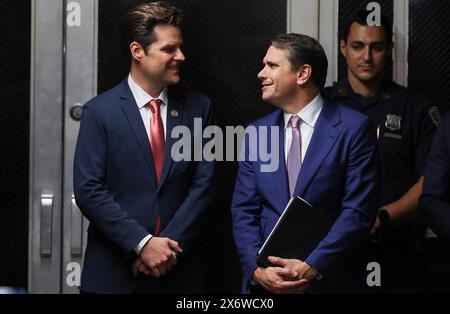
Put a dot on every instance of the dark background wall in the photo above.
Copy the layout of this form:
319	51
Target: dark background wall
15	39
429	50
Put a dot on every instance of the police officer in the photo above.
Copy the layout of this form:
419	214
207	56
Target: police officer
405	125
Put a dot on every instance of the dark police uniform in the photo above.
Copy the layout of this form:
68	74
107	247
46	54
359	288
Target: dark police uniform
405	125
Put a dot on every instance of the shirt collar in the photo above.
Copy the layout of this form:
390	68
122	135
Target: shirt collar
142	97
385	89
308	114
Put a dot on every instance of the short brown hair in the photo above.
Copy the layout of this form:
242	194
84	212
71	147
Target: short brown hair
303	50
140	22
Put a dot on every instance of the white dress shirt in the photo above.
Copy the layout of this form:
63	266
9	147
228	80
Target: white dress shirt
142	98
308	116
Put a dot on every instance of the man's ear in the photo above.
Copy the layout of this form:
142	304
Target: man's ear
304	74
343	47
136	50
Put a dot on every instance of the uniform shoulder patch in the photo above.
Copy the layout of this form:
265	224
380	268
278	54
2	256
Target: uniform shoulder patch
435	115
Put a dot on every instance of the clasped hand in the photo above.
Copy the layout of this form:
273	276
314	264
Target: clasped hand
157	257
287	276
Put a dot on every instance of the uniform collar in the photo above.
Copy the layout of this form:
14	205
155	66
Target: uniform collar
384	92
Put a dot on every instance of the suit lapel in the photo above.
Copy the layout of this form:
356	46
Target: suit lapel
131	111
323	139
280	176
174	118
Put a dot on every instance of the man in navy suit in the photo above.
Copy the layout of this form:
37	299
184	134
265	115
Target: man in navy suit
145	210
327	156
435	202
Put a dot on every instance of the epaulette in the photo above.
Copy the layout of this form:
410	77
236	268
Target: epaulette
435	115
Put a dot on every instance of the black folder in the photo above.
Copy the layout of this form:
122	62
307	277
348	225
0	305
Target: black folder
297	233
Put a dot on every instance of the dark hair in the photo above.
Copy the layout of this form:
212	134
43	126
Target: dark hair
303	50
140	22
360	17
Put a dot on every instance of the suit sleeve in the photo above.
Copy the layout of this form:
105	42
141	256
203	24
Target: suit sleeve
359	205
91	190
185	225
435	200
246	210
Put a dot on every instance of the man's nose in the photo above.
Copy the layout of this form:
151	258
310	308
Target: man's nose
262	75
180	56
367	54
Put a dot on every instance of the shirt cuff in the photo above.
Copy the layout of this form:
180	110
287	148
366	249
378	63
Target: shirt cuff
141	244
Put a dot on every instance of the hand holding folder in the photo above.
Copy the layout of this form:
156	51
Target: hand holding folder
297	233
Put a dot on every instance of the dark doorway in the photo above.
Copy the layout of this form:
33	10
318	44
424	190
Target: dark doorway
429	50
15	36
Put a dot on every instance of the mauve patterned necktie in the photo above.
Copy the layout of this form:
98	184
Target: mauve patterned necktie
157	142
294	160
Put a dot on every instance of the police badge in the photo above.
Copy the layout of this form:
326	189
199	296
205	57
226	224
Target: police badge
393	122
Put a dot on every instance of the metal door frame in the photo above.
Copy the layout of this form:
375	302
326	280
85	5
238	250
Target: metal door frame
320	22
46	97
63	75
80	86
401	41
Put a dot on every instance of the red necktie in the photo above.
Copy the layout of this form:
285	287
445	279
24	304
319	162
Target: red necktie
157	144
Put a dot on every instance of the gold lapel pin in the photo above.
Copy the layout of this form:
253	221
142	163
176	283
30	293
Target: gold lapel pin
174	113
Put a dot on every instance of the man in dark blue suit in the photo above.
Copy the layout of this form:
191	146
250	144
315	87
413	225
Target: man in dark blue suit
435	202
327	156
145	210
